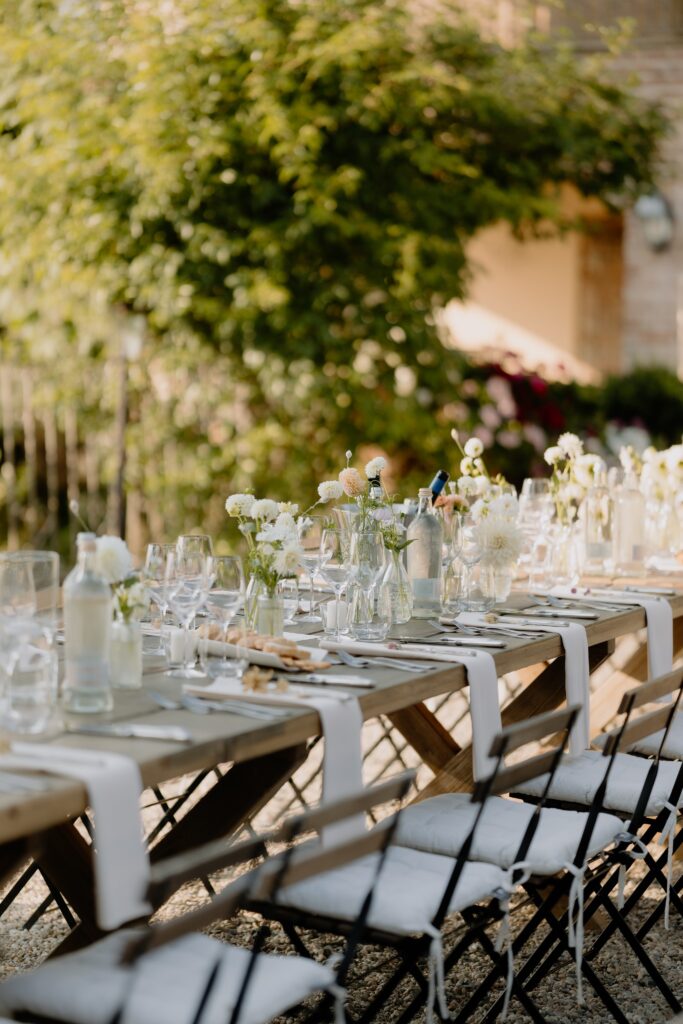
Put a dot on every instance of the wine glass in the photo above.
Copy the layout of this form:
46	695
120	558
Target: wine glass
188	581
333	567
471	553
367	556
223	600
310	531
17	589
194	544
44	569
154	576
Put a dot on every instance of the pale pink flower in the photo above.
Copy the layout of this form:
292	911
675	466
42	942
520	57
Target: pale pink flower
353	483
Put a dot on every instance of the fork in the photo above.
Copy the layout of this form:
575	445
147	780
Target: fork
353	661
201	707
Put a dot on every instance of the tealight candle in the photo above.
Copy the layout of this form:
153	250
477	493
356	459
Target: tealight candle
336	614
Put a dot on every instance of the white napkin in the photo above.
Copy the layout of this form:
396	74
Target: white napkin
577	674
341	722
114	786
664	564
482	678
660	623
408	652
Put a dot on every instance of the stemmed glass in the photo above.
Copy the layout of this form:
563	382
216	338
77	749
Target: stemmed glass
43	567
188	581
223	600
310	530
154	577
367	556
333	568
194	544
471	553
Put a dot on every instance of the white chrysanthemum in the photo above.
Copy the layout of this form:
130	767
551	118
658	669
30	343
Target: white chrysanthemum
474	448
467	485
113	560
467	466
570	445
674	459
553	454
288	506
287	560
375	467
287	520
330	490
500	540
272	533
239	505
264	509
481	485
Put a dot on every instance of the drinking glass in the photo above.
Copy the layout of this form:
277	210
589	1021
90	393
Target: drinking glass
154	577
333	566
477	589
17	589
188	580
43	567
31	680
310	531
194	544
367	556
223	600
289	592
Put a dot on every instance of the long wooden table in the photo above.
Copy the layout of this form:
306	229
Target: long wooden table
264	754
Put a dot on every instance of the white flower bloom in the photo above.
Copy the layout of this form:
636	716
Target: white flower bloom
500	540
467	466
587	468
112	558
467	485
272	533
375	467
287	560
570	445
287	522
455	435
481	485
479	466
330	490
674	459
474	448
238	505
553	454
479	510
288	506
266	549
506	506
264	508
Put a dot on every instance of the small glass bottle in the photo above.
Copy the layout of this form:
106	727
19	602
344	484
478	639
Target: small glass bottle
598	516
87	631
425	534
629	529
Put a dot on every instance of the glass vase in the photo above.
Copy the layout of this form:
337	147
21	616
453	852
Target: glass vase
253	592
479	592
125	655
502	582
270	614
399	589
565	555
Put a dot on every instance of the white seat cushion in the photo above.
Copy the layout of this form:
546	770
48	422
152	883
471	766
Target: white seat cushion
441	825
674	741
165	986
577	780
407	896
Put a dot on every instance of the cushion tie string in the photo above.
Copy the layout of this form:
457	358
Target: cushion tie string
437	981
639	854
338	992
575	931
667	836
504	936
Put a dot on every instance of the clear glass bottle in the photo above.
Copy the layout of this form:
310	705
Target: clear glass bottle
424	557
629	529
597	524
87	632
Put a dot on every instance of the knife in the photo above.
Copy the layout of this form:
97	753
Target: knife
651	590
134	730
316	680
465	641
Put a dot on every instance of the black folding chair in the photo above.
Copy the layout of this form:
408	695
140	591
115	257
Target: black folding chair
133	974
458	884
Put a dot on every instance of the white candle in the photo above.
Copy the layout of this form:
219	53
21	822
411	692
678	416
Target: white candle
336	614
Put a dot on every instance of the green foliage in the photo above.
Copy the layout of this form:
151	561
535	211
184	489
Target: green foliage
285	190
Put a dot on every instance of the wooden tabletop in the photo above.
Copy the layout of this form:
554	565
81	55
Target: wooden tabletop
223	737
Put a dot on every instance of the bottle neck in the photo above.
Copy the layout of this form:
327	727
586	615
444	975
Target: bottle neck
86	560
424	506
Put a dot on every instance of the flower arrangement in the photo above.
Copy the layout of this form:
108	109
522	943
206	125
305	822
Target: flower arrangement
131	599
573	473
475	479
356	485
496	530
269	528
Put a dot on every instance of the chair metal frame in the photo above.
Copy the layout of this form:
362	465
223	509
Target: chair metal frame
411	950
